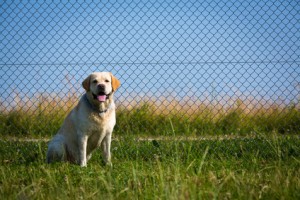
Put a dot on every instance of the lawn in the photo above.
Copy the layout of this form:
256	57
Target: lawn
176	152
264	167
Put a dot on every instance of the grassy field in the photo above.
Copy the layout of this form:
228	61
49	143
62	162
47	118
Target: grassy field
266	167
180	151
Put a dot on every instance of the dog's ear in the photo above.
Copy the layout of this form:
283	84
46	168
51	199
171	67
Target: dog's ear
115	83
86	83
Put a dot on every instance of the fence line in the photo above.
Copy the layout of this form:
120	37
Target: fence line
212	67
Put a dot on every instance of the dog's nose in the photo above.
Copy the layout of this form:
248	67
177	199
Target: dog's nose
101	86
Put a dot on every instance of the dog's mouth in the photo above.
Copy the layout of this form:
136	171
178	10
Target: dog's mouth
101	97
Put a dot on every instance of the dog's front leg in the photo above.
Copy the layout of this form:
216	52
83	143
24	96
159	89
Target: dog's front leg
82	150
105	146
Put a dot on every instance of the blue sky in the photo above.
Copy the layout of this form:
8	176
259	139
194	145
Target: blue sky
203	49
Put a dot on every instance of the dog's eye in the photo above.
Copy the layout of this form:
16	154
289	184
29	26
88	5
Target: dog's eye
107	81
95	81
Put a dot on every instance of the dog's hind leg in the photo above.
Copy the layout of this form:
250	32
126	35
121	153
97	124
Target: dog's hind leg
56	150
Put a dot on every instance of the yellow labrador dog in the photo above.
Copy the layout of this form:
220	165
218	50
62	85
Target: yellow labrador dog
89	125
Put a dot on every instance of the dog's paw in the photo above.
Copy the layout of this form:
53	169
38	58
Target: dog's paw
82	164
107	164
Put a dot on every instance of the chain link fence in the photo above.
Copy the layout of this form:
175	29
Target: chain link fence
186	67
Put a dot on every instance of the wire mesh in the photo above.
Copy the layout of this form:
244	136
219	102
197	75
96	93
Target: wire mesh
195	67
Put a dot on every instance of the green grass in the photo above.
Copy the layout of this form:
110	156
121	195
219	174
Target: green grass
259	158
267	167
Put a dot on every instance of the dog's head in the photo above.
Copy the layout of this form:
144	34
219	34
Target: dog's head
100	86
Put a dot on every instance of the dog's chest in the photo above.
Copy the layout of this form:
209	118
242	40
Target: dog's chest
95	140
98	127
96	132
97	121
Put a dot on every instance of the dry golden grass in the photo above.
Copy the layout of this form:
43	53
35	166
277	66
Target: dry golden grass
44	113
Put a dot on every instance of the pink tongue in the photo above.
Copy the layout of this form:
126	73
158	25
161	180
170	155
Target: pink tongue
101	98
